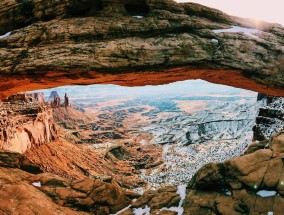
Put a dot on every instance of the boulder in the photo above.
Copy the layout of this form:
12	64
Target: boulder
249	184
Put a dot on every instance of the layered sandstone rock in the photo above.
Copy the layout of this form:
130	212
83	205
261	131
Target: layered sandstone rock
164	201
270	119
24	122
111	35
23	192
87	194
250	184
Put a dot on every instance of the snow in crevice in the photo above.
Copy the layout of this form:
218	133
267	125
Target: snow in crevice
266	193
138	17
228	192
238	29
5	35
36	184
215	41
142	211
122	210
182	192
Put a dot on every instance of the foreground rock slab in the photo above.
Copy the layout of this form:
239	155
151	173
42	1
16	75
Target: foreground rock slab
250	184
45	193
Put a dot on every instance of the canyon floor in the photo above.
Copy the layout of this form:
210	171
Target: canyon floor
145	143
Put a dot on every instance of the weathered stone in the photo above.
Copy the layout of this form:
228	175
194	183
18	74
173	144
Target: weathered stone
51	180
273	173
25	122
127	212
144	199
263	205
277	145
165	199
168	212
260	169
270	119
85	185
18	195
104	36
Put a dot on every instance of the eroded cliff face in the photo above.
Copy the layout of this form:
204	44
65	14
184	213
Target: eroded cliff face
110	36
250	184
46	193
25	121
270	119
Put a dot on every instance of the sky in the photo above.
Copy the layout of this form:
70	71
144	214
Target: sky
190	87
270	11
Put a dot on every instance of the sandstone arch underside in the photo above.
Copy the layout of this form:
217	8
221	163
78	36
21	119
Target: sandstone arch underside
61	42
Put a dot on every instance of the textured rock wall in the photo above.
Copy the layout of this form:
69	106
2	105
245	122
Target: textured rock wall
26	192
102	36
25	122
250	184
270	119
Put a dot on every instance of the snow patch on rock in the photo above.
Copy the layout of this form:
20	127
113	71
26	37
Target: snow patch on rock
182	192
36	184
142	211
5	35
122	210
215	41
238	29
138	17
266	193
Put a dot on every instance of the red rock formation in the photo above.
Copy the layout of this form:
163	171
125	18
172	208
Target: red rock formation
25	122
102	36
26	193
66	101
12	84
232	186
39	97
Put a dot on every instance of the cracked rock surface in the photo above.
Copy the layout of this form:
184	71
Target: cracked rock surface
110	36
239	185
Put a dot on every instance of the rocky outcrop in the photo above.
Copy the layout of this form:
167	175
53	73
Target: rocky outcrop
250	184
124	35
85	195
164	201
45	193
270	119
24	122
39	97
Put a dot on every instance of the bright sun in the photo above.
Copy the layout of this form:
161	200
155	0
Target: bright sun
270	11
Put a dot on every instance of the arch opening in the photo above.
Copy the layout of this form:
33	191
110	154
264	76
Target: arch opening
137	8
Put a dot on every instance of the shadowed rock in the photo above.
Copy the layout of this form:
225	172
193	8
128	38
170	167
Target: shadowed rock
113	35
25	121
240	185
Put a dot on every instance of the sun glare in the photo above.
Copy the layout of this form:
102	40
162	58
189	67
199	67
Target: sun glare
270	11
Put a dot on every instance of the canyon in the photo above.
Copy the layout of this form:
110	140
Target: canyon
192	153
147	147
